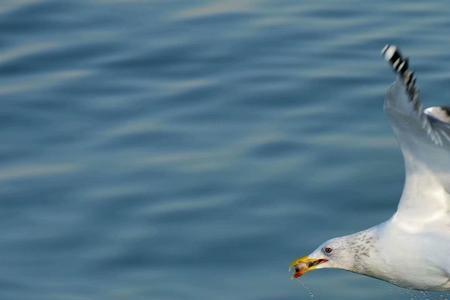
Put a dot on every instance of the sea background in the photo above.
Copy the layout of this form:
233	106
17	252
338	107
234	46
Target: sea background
193	149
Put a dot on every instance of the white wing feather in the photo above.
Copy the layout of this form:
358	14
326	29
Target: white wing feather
425	143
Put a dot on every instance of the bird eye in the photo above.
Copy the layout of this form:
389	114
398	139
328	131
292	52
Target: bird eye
328	250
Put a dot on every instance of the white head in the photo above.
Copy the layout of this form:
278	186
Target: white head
348	252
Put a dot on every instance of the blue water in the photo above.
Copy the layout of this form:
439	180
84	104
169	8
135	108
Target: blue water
193	149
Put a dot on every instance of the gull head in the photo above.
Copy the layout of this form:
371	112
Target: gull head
335	253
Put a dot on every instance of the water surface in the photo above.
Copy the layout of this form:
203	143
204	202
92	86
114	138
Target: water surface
193	149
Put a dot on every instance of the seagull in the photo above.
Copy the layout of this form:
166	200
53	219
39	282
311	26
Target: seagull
412	248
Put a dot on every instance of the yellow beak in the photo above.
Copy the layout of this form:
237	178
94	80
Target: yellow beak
305	264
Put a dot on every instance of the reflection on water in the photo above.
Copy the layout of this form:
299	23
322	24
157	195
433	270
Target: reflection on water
191	150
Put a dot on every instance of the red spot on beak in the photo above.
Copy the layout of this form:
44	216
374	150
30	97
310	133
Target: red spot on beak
298	274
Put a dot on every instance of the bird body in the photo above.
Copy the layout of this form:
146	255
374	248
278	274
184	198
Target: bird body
412	248
412	259
416	259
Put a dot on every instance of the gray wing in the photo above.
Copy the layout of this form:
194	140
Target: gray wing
424	138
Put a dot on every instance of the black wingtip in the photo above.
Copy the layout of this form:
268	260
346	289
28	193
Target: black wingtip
400	66
393	55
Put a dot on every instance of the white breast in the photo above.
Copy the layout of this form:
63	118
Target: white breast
413	259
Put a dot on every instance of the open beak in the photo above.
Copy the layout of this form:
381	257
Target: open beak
305	264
